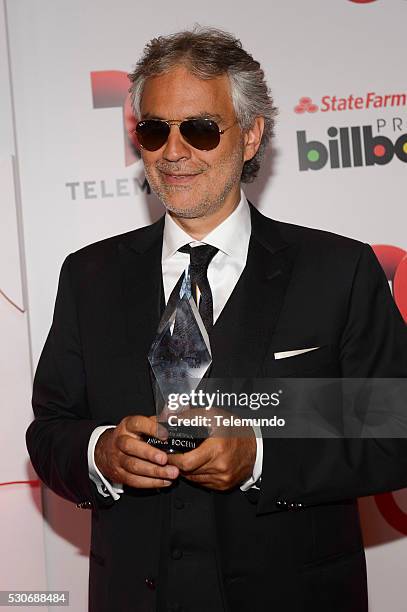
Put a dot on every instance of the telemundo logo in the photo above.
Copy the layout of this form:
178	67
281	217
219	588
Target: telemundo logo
349	147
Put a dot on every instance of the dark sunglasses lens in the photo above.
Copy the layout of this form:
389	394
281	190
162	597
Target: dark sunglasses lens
201	133
152	134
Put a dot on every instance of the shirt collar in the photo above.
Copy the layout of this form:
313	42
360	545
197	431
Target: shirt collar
230	236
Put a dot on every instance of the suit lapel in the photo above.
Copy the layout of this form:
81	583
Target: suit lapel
140	262
242	333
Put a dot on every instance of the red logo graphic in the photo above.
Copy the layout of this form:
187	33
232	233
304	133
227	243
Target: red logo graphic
305	105
362	1
391	512
394	263
110	90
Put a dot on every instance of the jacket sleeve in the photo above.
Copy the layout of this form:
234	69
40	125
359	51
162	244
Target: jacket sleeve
57	439
313	471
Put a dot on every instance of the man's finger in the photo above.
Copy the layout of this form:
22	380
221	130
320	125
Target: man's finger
139	467
138	448
142	482
195	459
139	424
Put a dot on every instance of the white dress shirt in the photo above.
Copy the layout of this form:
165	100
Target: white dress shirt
232	238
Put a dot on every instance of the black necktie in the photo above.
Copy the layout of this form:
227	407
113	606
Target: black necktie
200	258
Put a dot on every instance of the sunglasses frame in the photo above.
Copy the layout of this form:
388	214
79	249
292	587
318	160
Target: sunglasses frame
179	122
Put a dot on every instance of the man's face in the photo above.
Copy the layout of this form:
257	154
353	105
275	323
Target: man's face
193	183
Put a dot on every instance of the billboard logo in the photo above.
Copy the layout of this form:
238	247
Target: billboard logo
305	105
349	147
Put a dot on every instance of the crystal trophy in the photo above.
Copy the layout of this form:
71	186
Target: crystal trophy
179	358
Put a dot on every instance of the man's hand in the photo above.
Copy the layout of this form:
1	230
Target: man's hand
122	455
220	462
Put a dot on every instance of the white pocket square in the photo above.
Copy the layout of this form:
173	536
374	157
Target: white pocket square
284	354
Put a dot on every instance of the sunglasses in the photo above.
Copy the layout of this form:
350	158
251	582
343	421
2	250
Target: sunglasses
202	134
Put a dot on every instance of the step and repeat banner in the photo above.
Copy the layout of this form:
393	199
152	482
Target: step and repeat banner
70	176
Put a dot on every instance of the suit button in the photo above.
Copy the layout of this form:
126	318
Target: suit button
281	503
176	554
150	582
178	503
252	495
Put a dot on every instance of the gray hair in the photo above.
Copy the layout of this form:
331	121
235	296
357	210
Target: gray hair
207	53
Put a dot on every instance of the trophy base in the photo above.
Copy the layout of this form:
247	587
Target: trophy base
178	441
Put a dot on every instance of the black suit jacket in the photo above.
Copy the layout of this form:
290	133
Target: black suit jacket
298	544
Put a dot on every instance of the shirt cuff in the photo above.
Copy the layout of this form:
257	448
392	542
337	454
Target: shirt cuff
258	464
104	486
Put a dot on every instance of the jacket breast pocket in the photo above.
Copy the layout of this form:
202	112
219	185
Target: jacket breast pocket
319	361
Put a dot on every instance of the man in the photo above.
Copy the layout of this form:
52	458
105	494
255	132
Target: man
247	523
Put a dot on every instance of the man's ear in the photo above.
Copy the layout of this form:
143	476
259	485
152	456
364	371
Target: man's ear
252	138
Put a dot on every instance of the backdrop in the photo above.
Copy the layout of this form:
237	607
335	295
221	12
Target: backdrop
70	177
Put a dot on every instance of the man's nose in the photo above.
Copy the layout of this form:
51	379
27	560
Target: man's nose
176	148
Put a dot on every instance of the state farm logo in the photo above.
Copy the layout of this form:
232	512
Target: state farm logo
305	105
370	100
362	1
